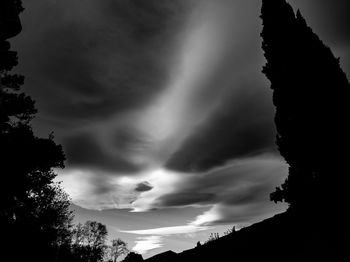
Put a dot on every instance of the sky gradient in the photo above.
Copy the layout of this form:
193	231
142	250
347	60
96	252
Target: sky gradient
162	110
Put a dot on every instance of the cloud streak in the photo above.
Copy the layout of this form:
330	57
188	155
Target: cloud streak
239	182
166	231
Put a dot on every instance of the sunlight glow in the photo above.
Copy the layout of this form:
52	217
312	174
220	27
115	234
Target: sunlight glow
207	218
144	244
175	113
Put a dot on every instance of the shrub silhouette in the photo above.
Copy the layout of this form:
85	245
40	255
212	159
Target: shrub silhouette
133	257
310	93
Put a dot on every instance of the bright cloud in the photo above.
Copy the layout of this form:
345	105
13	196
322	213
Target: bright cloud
240	184
144	244
97	190
207	217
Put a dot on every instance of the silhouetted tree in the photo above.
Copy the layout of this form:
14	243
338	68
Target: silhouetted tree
119	248
34	209
10	24
230	231
89	241
133	257
311	96
212	237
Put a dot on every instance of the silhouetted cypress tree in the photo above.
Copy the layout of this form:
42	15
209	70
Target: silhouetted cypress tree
311	95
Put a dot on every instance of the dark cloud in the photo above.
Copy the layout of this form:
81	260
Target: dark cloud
89	61
238	192
243	126
146	20
84	151
67	62
112	57
254	194
241	182
186	198
91	64
143	187
129	140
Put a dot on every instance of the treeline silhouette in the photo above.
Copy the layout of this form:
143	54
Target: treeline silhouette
35	218
88	243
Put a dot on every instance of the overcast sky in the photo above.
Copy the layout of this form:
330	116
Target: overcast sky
163	112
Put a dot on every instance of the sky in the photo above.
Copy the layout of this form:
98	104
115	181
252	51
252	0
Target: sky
162	110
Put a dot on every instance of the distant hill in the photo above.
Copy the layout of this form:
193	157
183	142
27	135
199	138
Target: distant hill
163	257
280	238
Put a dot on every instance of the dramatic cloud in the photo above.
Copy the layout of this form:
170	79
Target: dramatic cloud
98	192
83	150
125	83
242	126
99	58
162	106
90	63
102	190
144	244
143	187
129	85
237	193
243	184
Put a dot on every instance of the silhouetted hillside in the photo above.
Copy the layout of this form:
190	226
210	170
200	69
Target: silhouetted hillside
163	257
280	238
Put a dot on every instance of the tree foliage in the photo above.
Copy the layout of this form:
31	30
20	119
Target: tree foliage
230	231
34	210
89	241
118	248
212	238
310	93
